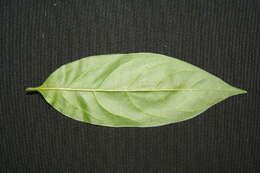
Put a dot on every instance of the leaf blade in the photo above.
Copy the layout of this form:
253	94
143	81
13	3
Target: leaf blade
138	89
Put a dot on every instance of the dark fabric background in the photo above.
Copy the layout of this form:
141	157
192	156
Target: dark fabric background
38	36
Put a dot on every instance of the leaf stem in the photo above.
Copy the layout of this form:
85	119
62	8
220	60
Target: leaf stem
32	89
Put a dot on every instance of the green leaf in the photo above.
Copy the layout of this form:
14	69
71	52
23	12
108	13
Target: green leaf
137	89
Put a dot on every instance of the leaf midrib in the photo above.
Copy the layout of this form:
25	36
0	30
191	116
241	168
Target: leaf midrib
127	90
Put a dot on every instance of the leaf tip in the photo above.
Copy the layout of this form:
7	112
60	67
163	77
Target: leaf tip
243	92
240	91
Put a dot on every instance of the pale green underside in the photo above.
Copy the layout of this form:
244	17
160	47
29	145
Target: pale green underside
137	89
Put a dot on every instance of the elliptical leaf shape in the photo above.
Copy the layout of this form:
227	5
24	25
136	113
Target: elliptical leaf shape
133	90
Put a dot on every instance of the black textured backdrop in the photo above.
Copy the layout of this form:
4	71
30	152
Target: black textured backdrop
38	36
